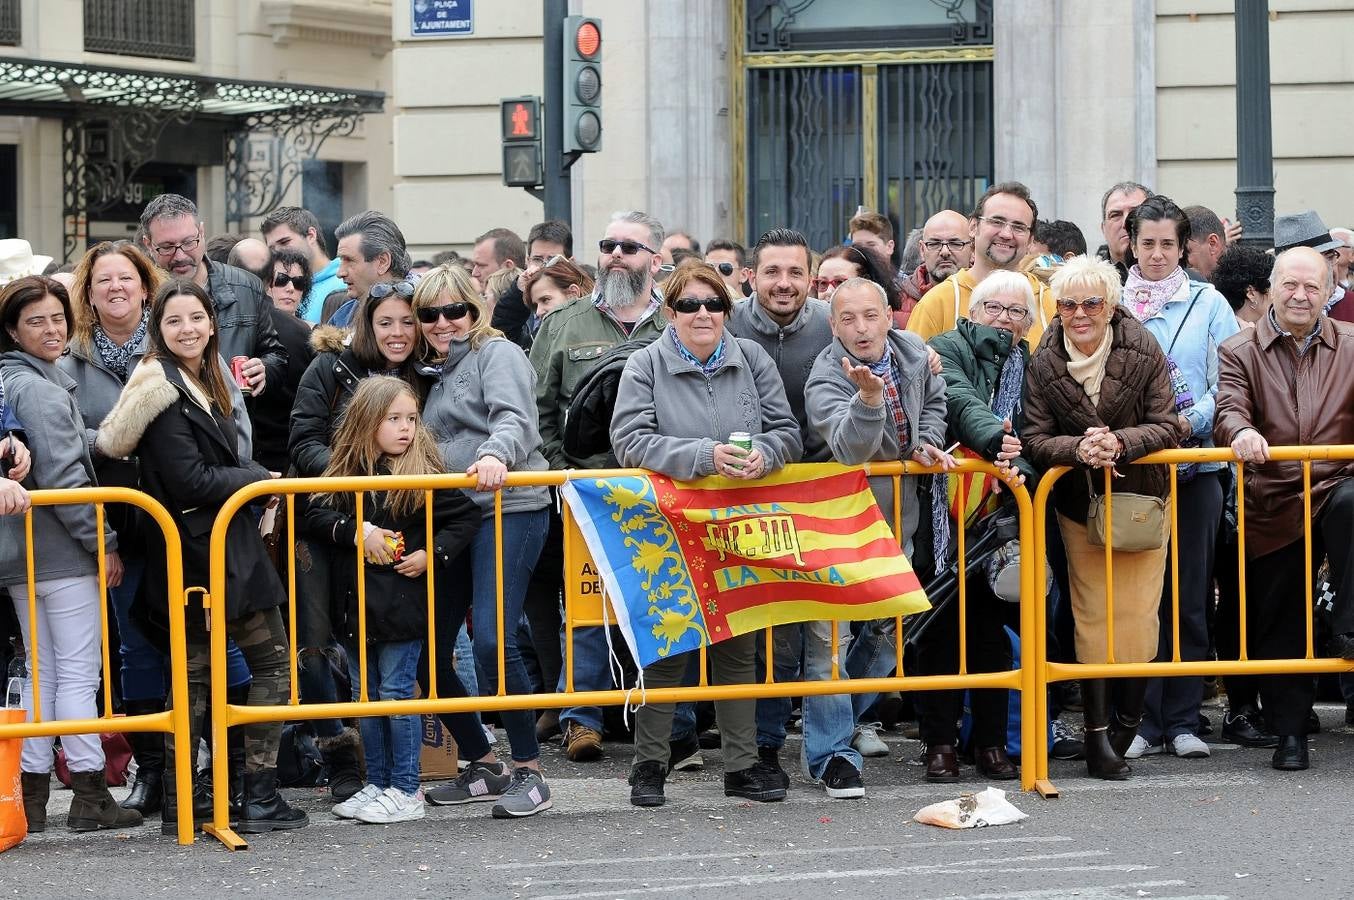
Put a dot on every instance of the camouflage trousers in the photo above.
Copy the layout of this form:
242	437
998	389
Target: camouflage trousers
262	639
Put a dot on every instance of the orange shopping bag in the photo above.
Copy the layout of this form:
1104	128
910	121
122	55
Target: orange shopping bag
13	825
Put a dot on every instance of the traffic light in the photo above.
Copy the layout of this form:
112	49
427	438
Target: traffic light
582	84
521	126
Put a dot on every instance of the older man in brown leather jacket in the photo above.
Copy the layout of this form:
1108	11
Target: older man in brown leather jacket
1289	381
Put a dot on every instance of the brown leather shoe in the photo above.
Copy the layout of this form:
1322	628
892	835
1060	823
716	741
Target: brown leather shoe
581	743
993	763
942	765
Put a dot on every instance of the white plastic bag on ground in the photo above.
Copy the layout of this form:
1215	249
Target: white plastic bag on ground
987	807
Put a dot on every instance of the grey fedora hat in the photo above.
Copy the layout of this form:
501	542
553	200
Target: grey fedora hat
1303	229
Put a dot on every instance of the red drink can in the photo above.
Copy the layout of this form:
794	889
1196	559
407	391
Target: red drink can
237	371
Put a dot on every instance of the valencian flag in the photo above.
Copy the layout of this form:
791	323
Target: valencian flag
689	563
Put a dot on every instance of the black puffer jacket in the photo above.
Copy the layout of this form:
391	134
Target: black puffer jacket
587	427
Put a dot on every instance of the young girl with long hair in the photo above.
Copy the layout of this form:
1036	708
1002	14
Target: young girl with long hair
380	434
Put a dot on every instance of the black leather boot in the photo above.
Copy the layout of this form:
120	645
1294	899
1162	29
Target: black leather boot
93	807
343	757
1101	759
149	749
37	787
264	809
169	811
237	696
1129	697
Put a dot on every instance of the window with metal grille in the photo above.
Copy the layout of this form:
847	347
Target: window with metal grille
10	33
159	29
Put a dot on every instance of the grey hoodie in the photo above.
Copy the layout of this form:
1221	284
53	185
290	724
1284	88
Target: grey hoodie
484	402
43	397
793	348
856	433
669	415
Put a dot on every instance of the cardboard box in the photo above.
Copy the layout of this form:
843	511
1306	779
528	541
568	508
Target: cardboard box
438	759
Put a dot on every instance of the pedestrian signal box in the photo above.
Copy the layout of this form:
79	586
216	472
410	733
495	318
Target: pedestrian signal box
520	121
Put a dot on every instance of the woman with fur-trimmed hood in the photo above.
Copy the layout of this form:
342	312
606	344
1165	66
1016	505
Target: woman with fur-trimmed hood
174	415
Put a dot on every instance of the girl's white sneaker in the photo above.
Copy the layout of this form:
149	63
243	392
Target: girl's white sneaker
349	808
392	805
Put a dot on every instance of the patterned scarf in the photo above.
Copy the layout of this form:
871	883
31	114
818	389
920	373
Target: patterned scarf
1005	402
893	396
117	358
1147	298
710	365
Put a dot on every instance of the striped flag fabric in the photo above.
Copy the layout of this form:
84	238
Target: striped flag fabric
687	564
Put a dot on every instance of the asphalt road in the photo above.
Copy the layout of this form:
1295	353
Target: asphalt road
1223	827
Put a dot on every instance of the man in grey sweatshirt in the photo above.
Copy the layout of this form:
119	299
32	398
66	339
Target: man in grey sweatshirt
793	330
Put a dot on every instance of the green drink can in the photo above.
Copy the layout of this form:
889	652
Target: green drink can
741	439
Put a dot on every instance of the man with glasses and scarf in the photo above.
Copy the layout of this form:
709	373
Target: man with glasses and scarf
171	235
1001	227
624	306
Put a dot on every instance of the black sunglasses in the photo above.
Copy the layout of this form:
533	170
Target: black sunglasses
629	248
300	282
451	312
382	289
693	304
725	269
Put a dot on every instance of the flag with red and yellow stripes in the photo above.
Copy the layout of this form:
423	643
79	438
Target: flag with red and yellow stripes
692	563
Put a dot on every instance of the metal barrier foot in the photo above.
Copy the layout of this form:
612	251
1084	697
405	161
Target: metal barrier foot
1047	789
226	836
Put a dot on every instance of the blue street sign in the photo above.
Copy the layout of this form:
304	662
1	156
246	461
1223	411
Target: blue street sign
440	18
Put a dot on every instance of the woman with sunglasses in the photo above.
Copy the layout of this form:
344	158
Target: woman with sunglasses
482	409
679	400
382	343
846	261
289	281
1097	397
286	288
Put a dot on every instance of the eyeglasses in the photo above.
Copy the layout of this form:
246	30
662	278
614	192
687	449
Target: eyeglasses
1091	305
1000	224
828	284
1014	313
1332	255
629	248
300	282
954	245
188	245
690	305
725	268
429	315
382	289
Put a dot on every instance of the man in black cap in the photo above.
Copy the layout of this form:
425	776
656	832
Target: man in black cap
1305	229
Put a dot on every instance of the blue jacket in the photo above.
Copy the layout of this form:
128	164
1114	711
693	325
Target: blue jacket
1201	329
325	282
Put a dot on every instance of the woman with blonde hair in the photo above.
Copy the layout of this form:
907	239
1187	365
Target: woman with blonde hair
1097	397
482	409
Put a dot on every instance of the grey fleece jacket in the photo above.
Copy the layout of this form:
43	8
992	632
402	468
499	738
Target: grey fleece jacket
43	397
856	433
669	415
484	402
793	348
97	390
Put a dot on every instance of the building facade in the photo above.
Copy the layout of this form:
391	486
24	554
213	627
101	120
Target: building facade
242	106
723	117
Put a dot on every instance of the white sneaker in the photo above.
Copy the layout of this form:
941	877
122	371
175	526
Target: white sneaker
1187	746
349	808
392	805
1140	747
867	742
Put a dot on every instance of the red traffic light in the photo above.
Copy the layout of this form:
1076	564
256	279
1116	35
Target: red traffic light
588	40
520	118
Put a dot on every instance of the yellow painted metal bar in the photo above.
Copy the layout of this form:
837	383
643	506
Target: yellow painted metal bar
835	635
1175	564
899	641
432	593
33	670
1241	557
770	655
361	598
104	640
570	566
961	535
1109	566
292	661
1038	680
1307	549
498	593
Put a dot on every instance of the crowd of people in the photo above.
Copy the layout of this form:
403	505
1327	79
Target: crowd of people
189	368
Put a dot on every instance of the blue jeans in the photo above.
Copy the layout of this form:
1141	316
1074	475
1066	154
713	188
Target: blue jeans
392	744
523	536
465	662
873	654
144	667
773	712
829	720
592	672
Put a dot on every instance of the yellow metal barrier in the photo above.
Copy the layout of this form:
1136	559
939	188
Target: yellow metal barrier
172	722
582	609
1043	673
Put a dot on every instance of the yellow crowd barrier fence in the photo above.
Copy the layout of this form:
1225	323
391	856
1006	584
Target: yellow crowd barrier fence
172	722
1047	672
